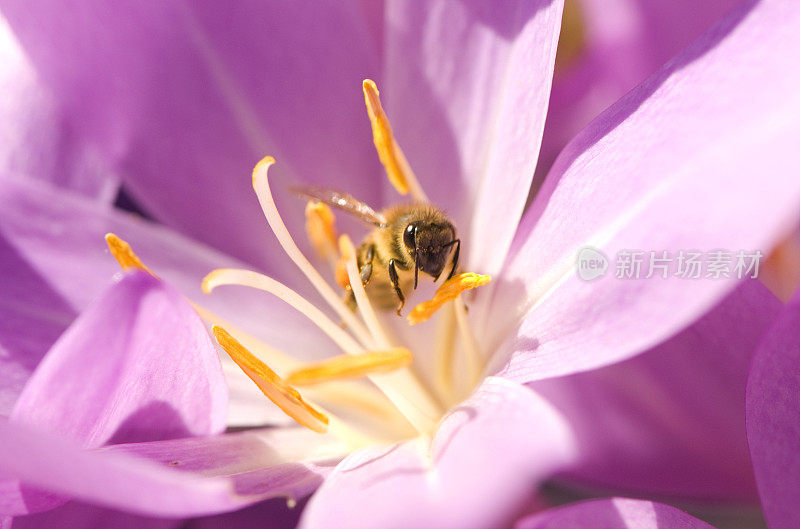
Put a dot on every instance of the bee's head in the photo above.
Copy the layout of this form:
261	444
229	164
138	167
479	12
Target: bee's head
430	244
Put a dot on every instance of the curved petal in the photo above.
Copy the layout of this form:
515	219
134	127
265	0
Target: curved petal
773	419
669	168
35	138
615	513
671	422
288	462
606	48
467	86
184	97
55	262
485	462
177	478
137	365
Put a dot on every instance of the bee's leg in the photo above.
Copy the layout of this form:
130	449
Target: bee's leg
396	284
366	268
457	242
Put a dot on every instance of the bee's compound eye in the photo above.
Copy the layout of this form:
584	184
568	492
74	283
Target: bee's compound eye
409	238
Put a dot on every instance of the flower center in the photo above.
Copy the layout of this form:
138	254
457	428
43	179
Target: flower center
369	351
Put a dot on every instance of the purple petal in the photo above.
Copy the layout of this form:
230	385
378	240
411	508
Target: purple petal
671	421
466	90
75	515
616	513
668	168
32	316
773	419
35	138
487	458
54	262
137	365
623	42
259	463
184	98
203	476
272	514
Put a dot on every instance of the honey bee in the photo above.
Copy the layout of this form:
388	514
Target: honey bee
407	239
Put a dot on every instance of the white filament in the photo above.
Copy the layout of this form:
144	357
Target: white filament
261	186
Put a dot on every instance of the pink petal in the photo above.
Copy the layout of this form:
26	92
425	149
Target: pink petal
288	461
466	90
671	421
272	514
35	138
615	513
670	167
137	365
185	98
75	515
32	316
487	458
202	476
624	41
54	262
773	419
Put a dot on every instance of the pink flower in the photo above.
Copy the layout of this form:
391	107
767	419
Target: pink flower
180	107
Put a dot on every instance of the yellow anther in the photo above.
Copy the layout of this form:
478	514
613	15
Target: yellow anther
383	138
449	291
351	366
124	254
346	248
340	273
321	229
283	395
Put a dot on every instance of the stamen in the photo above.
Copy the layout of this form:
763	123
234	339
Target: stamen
321	230
450	290
124	254
261	186
284	396
471	350
229	276
347	366
340	273
356	395
394	161
402	388
127	259
443	355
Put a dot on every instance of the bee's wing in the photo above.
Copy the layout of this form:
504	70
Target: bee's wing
340	200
